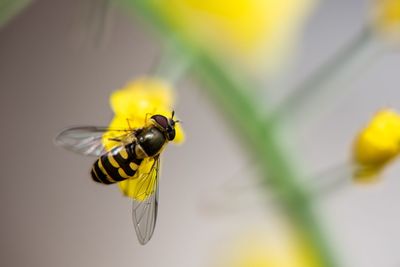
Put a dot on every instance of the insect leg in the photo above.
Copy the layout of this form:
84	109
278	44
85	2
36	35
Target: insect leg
128	120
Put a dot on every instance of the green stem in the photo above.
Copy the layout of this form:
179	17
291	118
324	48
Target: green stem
263	141
237	102
10	8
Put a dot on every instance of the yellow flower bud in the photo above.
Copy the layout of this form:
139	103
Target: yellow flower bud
265	248
386	15
376	145
133	105
253	32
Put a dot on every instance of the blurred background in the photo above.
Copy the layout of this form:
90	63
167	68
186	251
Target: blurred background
54	75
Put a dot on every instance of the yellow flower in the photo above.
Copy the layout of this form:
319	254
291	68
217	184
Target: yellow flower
386	15
132	106
263	248
257	32
376	145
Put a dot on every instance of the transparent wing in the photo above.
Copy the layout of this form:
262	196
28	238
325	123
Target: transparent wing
145	202
88	140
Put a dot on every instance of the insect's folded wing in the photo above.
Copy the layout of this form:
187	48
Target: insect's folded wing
143	190
130	187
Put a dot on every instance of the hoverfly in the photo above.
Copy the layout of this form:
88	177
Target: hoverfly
124	161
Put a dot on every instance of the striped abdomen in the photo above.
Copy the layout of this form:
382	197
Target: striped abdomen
115	166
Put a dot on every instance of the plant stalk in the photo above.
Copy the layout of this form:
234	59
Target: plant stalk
236	101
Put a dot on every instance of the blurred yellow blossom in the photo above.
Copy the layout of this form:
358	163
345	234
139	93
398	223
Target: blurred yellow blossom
132	106
386	15
376	145
256	32
267	248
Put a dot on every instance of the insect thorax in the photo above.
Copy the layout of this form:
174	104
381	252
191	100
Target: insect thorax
151	140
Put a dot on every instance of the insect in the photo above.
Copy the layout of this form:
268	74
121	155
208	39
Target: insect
134	149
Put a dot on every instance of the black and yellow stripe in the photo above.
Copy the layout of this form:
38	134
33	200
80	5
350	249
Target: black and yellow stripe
117	165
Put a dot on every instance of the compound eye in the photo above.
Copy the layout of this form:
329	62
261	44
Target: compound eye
171	135
160	120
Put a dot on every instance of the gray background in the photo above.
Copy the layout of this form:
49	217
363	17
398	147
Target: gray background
52	214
